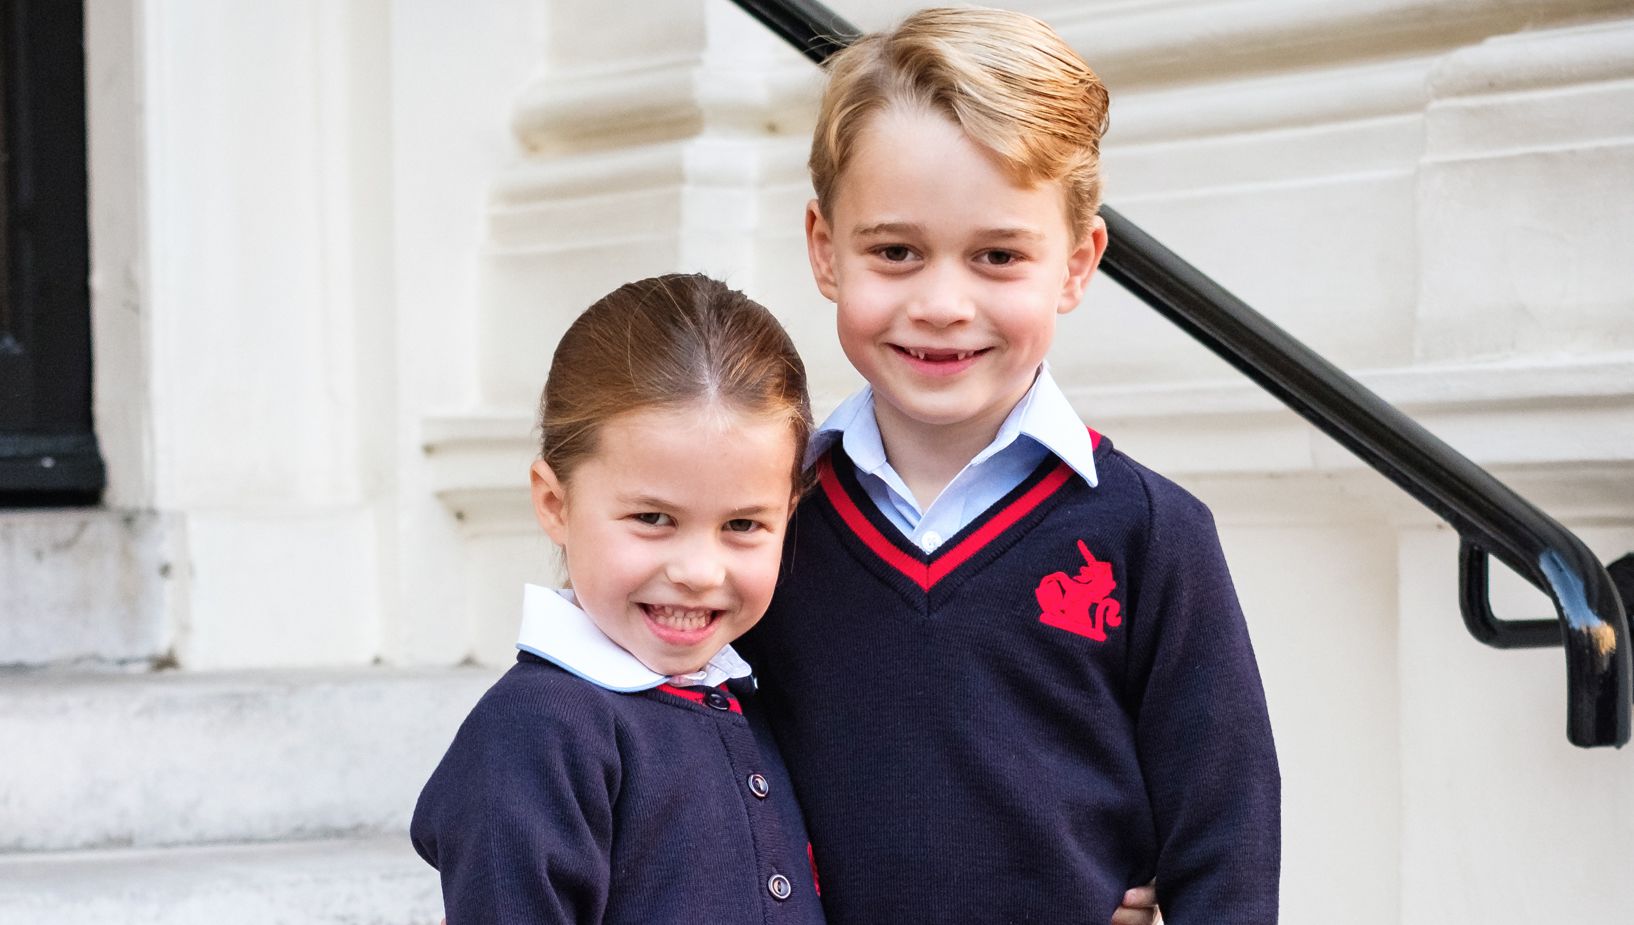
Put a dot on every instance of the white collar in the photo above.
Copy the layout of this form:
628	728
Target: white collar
558	631
1043	414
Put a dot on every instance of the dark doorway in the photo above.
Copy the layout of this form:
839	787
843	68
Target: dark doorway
48	453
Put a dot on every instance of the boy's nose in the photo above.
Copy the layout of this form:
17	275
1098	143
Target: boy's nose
942	300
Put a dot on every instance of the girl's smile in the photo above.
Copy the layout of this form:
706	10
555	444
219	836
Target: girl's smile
680	626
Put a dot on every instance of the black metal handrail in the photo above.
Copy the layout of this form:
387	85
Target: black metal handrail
1491	519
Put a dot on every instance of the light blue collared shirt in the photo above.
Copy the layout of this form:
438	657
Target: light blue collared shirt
1043	416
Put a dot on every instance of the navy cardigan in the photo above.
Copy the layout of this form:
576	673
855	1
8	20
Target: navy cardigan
562	802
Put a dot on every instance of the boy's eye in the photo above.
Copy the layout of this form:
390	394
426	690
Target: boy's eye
653	519
999	258
742	525
894	253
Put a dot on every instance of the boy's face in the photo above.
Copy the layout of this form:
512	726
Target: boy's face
948	275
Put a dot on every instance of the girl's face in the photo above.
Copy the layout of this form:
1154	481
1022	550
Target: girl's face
673	530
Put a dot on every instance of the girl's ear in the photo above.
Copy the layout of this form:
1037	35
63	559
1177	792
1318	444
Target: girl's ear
1081	264
820	248
549	502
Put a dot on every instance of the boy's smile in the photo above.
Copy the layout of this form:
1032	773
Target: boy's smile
933	362
948	274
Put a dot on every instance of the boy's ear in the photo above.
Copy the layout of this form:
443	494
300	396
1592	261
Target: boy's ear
820	248
1081	264
549	502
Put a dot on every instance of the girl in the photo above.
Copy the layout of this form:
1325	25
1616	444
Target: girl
612	774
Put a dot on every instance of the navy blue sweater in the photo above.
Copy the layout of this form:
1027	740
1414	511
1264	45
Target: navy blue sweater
563	802
1057	704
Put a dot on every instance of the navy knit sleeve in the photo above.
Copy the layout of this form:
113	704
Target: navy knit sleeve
1202	730
518	817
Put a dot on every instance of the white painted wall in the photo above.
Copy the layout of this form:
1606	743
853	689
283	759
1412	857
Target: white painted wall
333	245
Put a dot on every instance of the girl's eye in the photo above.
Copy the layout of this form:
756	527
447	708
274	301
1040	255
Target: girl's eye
742	525
653	519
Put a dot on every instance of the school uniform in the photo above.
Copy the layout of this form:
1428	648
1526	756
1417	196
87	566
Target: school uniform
585	787
1015	715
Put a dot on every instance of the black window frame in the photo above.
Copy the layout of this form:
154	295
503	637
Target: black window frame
48	448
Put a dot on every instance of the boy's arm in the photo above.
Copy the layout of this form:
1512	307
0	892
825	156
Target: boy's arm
518	821
1202	730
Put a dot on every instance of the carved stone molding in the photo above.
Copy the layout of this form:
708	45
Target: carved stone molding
1161	41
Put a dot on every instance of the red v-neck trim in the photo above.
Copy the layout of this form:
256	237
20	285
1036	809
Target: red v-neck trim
927	574
865	530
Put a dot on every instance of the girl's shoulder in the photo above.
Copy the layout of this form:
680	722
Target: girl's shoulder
539	738
535	701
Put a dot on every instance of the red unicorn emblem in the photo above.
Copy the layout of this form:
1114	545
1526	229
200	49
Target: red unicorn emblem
1080	604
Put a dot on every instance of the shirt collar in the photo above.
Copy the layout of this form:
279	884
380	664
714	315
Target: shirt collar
558	631
1047	416
1044	414
853	425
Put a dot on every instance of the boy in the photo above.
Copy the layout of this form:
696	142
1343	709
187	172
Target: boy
1005	664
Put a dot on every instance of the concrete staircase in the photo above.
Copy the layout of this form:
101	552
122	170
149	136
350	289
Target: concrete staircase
368	881
248	797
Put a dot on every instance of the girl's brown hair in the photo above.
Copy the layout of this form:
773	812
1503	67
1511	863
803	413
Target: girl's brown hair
668	342
1006	79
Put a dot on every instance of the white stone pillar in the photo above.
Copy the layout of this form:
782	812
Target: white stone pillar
231	283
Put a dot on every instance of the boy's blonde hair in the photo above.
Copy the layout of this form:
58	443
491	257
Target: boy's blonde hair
1006	79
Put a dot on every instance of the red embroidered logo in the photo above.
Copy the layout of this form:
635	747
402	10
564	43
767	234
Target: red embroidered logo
1079	604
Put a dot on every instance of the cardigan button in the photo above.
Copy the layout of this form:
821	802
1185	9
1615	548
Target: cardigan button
759	786
780	887
718	700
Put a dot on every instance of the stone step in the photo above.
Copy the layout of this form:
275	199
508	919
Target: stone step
174	758
368	881
83	585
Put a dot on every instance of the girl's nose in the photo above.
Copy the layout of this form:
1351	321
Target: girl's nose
697	566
